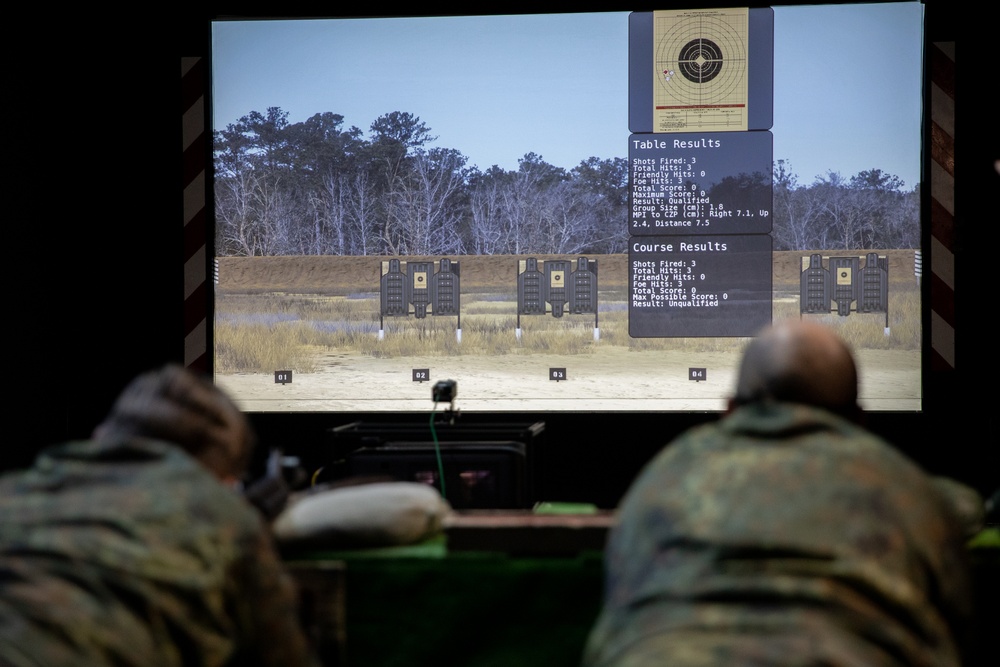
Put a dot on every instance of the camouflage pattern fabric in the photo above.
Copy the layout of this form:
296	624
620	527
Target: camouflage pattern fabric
783	535
133	554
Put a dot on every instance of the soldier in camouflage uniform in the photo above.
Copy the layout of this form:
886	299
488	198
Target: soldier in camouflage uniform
134	549
784	534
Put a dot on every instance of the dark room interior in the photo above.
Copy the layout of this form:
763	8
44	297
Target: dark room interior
98	280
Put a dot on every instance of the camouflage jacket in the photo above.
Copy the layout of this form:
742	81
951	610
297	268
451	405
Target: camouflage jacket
133	554
782	535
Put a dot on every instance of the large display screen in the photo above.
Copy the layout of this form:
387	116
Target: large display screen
579	212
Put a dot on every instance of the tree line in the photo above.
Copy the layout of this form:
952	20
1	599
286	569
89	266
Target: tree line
320	188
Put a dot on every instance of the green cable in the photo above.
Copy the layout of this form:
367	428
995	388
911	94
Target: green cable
437	451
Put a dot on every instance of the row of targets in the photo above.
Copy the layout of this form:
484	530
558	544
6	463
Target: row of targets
843	285
557	287
419	288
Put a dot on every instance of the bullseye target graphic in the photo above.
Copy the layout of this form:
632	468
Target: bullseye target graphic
700	62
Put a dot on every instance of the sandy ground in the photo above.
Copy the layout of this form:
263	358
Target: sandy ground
614	379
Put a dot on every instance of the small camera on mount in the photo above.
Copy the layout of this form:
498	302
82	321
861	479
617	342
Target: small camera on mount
444	391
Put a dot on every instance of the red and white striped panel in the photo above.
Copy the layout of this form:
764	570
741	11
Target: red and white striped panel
193	85
942	214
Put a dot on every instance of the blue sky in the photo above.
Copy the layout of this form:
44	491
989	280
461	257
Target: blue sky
846	94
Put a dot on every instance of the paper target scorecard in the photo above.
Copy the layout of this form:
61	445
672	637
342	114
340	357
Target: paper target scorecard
700	70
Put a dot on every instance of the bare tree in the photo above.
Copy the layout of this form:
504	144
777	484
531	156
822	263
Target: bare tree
251	215
523	204
488	233
796	215
361	210
428	214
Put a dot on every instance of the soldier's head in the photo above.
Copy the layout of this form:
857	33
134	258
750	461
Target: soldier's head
800	362
176	405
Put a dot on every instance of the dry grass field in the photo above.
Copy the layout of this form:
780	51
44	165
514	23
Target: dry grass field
342	275
319	317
